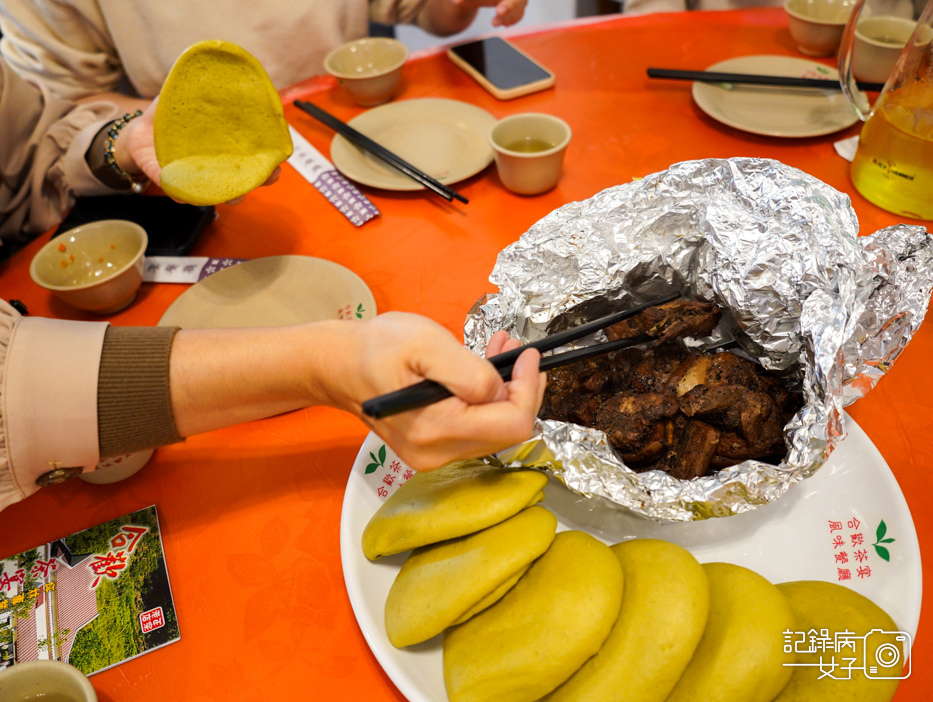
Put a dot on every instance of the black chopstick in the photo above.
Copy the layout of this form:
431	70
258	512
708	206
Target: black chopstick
752	79
376	149
428	391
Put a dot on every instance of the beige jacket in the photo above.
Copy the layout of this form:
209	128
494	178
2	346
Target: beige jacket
82	47
42	168
72	392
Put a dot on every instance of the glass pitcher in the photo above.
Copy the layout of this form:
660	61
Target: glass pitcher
893	165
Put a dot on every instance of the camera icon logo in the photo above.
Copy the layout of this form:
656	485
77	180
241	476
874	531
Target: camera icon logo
886	654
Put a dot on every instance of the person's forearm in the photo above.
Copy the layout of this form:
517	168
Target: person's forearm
221	377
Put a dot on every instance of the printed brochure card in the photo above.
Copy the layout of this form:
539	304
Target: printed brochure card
93	599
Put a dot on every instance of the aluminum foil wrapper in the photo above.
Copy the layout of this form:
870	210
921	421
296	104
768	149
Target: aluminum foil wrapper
777	250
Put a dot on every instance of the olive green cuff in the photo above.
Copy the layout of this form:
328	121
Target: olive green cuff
134	401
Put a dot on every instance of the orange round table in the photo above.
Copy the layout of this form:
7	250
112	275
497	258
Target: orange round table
250	515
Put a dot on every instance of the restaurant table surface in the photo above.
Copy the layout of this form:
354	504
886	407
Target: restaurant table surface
250	515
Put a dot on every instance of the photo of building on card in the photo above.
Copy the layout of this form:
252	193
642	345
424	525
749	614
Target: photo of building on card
93	599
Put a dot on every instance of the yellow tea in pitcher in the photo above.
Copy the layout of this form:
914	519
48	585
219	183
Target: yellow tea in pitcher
893	166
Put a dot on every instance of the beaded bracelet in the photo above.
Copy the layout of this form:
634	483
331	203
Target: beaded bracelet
138	185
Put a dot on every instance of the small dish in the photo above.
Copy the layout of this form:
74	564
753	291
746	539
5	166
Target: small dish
447	139
273	291
771	110
369	68
96	267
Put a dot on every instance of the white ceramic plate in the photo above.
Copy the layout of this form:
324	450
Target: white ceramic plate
771	110
272	291
447	139
791	539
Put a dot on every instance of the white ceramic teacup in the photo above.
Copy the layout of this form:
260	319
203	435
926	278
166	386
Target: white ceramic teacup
876	46
45	680
816	26
369	68
529	151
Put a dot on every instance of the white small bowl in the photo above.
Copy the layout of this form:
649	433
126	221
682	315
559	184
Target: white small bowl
816	26
368	68
96	267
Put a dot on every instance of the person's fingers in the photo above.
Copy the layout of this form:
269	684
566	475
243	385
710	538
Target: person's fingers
486	428
500	342
494	346
274	177
467	376
509	12
527	384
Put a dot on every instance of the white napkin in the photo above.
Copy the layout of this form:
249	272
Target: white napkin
321	173
846	147
183	269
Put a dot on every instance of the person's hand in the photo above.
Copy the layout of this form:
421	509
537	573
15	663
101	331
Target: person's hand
135	150
395	350
508	12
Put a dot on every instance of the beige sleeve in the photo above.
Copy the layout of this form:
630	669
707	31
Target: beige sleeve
8	490
42	165
74	392
48	399
65	44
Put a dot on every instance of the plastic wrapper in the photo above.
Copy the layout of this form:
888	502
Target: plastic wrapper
777	250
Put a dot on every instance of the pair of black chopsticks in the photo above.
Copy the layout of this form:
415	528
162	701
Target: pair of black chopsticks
427	391
379	151
753	79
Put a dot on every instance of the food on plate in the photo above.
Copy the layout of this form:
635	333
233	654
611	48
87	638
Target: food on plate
665	603
820	605
454	500
449	582
741	655
668	409
542	630
219	127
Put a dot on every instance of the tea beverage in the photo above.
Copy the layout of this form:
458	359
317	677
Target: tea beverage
529	149
529	145
893	166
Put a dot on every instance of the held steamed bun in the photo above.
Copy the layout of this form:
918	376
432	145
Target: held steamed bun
454	500
449	582
219	126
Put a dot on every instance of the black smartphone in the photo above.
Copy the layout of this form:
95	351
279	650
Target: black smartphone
173	228
500	67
